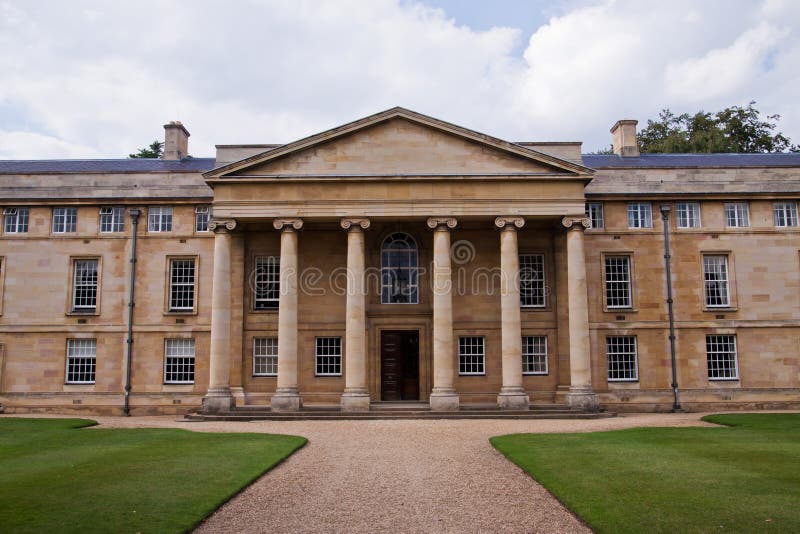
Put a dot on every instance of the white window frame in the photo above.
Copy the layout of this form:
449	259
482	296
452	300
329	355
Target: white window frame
716	276
175	286
159	219
80	284
714	341
202	214
182	349
16	220
265	356
328	356
476	366
616	282
594	210
65	220
737	214
81	352
619	366
687	215
533	290
266	280
387	271
640	215
112	219
785	214
534	354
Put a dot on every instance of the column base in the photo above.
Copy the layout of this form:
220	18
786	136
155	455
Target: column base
218	400
583	399
286	401
513	399
355	401
444	401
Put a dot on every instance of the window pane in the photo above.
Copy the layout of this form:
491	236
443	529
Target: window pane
471	355
267	282
84	285
182	275
201	218
618	282
179	361
785	214
81	361
159	219
328	356
716	280
399	270
594	210
265	356
64	220
622	354
16	220
721	357
640	215
737	214
688	215
534	355
532	286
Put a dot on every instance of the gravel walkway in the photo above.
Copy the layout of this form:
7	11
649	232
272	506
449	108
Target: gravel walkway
398	476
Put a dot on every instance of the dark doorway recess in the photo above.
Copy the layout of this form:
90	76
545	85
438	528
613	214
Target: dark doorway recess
399	365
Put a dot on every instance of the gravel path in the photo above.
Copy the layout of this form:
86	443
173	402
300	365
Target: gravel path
406	476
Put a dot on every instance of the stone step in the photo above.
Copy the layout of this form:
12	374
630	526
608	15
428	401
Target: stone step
336	415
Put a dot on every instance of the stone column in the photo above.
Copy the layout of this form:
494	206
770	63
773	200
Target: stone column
219	397
581	395
355	397
512	395
287	397
443	395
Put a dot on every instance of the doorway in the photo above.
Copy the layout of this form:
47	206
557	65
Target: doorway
399	365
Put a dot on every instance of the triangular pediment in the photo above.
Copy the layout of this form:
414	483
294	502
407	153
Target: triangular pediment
394	143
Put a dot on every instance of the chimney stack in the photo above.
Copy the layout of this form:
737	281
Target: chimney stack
624	133
176	141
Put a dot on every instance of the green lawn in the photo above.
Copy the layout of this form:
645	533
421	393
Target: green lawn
744	477
55	477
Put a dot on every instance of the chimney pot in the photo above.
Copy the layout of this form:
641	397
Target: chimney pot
624	138
176	141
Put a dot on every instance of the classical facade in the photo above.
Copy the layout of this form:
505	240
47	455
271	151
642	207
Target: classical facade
400	258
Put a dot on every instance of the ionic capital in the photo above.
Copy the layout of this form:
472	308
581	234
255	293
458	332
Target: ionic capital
509	223
287	225
442	223
576	223
222	225
355	223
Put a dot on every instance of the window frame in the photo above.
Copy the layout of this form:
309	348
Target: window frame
3	268
746	215
72	309
69	358
193	357
605	256
635	378
168	309
789	211
647	219
268	357
162	217
728	280
317	356
590	212
462	364
16	209
114	211
413	271
544	300
255	284
692	214
68	210
733	378
544	355
198	211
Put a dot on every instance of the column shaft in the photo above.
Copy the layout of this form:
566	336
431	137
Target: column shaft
355	396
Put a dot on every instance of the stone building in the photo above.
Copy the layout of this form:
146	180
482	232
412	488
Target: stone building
399	258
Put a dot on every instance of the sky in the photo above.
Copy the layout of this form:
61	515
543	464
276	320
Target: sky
99	79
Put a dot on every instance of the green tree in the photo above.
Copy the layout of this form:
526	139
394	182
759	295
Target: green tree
734	129
154	151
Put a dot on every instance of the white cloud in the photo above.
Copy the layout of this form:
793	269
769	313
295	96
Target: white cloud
97	78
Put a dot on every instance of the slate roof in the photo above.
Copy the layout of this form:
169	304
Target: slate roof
90	166
656	161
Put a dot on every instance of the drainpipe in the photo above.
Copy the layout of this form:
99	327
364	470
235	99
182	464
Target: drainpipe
676	404
134	213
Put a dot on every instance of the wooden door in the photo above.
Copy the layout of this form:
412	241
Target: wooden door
399	365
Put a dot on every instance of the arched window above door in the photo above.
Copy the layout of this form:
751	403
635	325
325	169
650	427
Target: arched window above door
399	270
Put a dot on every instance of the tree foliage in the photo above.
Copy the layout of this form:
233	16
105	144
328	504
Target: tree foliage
154	151
734	129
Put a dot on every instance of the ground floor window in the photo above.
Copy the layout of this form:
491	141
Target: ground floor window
265	356
179	361
622	354
329	356
471	355
81	360
534	355
721	356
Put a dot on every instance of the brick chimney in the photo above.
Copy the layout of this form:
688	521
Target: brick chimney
176	141
624	133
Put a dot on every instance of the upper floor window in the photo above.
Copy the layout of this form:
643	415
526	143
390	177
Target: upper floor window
181	284
618	282
531	280
688	214
594	210
112	219
84	285
715	273
81	361
399	270
159	219
267	282
64	220
640	215
785	214
16	220
201	214
737	215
